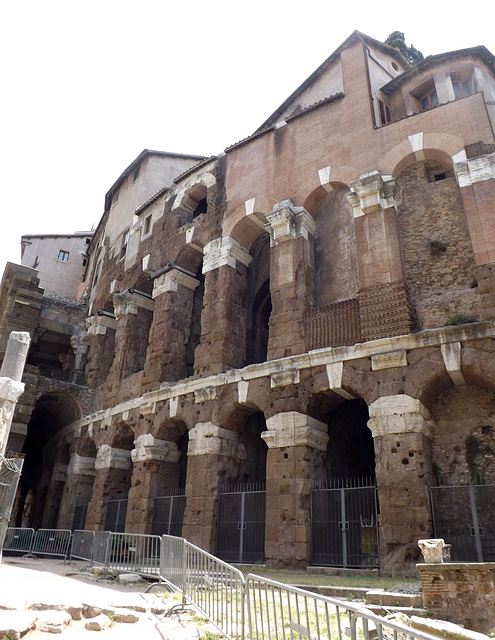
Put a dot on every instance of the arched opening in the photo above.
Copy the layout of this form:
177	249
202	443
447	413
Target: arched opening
118	471
259	304
44	470
169	501
242	497
463	460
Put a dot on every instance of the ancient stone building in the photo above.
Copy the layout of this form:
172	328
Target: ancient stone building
285	346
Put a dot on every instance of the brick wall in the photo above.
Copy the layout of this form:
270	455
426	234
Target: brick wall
463	593
333	325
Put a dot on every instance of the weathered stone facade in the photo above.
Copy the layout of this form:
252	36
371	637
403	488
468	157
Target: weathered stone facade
276	316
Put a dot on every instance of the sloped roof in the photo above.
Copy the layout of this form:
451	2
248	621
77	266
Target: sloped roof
356	35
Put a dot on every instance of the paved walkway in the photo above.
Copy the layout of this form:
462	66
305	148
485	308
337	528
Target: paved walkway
26	583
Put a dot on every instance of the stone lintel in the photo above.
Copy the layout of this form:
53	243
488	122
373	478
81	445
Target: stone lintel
451	354
82	465
335	372
148	448
171	280
129	302
224	251
173	405
207	437
242	391
399	414
286	222
284	378
293	429
108	457
98	325
204	394
191	242
372	192
389	360
471	170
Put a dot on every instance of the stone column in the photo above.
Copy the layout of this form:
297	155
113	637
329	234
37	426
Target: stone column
11	386
223	321
101	335
154	470
476	177
296	446
173	293
213	454
291	277
80	479
401	429
134	313
383	299
112	480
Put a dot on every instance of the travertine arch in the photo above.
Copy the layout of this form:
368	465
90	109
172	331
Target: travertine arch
245	224
430	146
187	193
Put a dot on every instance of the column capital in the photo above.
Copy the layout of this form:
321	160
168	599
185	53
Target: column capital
293	429
224	251
82	465
207	437
372	192
149	448
108	457
471	170
98	325
399	414
171	281
129	302
286	222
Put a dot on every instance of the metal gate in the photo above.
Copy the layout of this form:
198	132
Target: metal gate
464	516
344	530
115	517
168	514
241	523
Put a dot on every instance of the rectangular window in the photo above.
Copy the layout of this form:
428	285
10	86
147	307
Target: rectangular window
125	240
429	101
147	225
116	197
135	175
461	89
63	256
385	115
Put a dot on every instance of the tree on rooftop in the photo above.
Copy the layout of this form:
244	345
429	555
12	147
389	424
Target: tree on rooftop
397	40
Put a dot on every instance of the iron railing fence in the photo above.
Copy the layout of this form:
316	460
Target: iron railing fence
10	472
82	546
133	553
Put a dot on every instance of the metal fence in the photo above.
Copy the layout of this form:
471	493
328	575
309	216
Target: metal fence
19	539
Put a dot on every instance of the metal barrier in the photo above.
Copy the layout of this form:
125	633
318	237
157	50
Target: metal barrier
51	542
82	546
277	611
215	589
10	472
19	539
172	562
133	552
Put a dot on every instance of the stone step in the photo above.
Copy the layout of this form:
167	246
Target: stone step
395	599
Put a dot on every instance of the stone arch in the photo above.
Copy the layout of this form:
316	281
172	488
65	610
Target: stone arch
438	257
258	301
431	146
192	197
249	422
245	224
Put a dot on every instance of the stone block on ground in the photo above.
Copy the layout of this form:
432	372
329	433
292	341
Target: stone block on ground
129	578
53	621
446	630
16	623
99	623
73	608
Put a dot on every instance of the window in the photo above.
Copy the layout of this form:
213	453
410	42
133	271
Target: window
147	225
63	256
88	240
116	197
429	101
461	89
385	115
125	240
135	175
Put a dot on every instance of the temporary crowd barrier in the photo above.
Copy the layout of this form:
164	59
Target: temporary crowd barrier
246	608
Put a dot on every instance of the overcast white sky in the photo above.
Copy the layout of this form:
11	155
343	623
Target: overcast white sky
88	85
